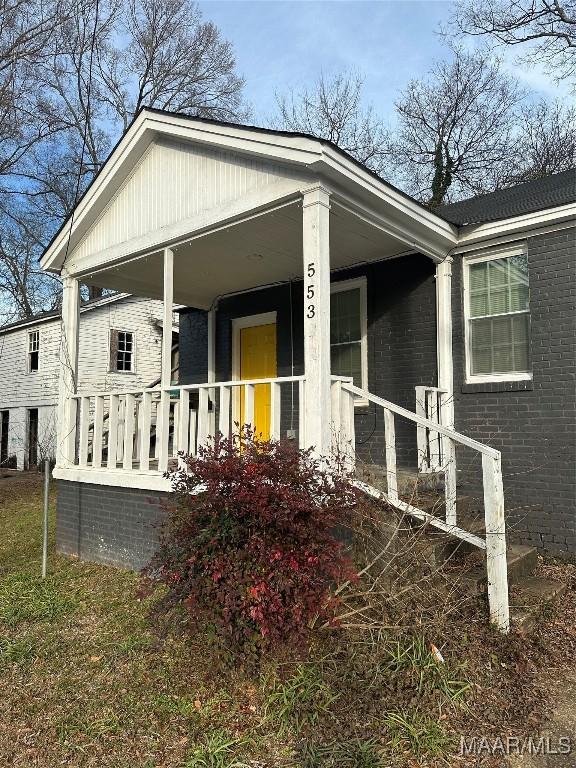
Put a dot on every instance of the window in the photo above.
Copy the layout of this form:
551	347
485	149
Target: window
121	351
348	350
33	350
497	317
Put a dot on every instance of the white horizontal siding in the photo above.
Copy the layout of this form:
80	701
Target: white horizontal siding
19	388
131	314
173	182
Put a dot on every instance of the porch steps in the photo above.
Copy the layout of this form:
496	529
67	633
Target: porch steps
529	593
529	596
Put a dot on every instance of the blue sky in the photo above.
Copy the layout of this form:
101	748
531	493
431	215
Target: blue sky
282	45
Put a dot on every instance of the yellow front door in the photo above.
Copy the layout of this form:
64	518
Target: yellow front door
258	361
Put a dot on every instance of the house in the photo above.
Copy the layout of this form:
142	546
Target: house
328	307
119	346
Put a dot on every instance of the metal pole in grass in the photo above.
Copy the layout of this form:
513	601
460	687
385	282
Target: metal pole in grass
45	540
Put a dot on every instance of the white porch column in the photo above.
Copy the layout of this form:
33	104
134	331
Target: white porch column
444	337
68	380
212	369
316	253
166	374
163	418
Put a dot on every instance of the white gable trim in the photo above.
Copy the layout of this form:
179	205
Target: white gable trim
310	154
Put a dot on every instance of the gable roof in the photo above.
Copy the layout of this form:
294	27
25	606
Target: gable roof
297	151
55	314
528	197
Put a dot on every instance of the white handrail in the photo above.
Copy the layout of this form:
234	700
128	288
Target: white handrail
190	387
452	434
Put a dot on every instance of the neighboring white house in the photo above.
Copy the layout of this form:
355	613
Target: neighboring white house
120	346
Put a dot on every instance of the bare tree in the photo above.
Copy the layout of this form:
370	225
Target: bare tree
26	31
87	70
455	129
333	110
182	64
546	142
548	27
24	289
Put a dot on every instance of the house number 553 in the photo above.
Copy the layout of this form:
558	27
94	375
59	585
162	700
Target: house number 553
310	292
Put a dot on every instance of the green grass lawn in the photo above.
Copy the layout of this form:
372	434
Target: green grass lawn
88	678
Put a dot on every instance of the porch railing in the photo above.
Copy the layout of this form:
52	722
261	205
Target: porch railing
431	405
494	541
144	429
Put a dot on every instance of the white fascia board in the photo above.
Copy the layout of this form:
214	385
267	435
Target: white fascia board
309	153
388	194
514	227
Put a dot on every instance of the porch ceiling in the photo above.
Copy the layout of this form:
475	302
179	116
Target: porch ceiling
263	250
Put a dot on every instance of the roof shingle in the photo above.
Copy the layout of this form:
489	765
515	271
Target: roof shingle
537	195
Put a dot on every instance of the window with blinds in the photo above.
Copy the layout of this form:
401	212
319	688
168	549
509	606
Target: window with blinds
498	316
347	339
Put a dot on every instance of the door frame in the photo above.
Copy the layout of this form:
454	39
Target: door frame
32	444
4	433
238	323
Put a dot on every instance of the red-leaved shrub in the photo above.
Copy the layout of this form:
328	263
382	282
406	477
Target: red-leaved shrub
249	545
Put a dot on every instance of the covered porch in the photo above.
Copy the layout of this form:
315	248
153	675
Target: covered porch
306	243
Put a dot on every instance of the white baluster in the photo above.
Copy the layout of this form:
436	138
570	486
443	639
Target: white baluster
163	430
421	431
112	432
84	430
224	419
338	440
203	422
192	449
183	430
129	423
98	429
390	441
275	406
248	405
145	428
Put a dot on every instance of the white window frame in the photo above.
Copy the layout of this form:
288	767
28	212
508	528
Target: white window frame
477	258
132	370
348	285
29	351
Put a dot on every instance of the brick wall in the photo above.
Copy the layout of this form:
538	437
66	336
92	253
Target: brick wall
401	350
102	524
532	423
401	343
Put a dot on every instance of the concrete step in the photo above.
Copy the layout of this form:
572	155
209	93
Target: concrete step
529	596
521	559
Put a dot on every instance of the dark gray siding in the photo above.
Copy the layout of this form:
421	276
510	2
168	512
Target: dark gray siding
532	423
102	524
193	344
